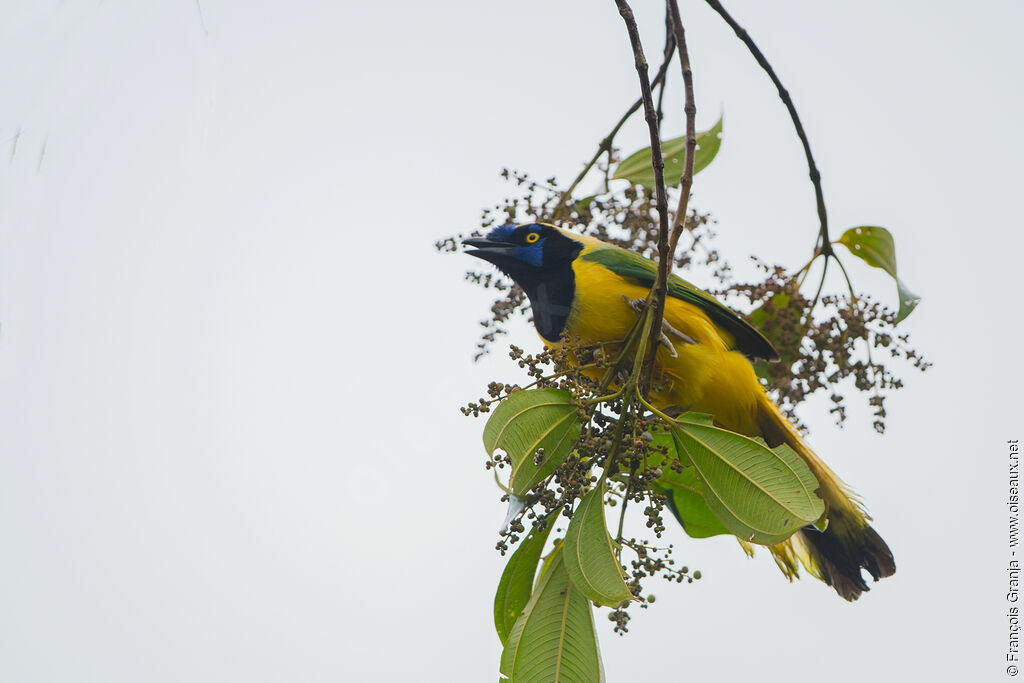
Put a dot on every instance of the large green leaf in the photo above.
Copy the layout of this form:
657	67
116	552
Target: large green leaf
692	511
553	640
761	495
589	556
693	417
876	247
638	169
683	490
526	422
517	580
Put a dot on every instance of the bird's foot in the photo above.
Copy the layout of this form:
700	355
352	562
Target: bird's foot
666	328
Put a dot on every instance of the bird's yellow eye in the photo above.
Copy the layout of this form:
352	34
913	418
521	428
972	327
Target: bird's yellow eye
532	237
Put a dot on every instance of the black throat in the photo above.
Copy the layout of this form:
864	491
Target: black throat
551	294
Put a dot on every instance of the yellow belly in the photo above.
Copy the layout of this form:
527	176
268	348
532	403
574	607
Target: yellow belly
706	377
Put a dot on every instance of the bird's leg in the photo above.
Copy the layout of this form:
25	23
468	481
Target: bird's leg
666	328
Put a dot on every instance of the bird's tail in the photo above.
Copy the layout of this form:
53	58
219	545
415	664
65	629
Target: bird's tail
848	544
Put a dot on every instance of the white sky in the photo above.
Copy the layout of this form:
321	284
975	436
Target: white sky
230	360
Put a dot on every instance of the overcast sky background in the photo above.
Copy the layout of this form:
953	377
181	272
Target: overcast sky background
231	361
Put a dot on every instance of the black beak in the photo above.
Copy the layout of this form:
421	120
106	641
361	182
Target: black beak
489	249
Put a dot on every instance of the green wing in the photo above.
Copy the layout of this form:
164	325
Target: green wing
643	271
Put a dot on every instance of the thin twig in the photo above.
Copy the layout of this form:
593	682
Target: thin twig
625	502
661	98
821	284
853	295
42	153
14	143
824	245
609	464
669	40
658	163
608	171
691	124
606	143
666	252
202	21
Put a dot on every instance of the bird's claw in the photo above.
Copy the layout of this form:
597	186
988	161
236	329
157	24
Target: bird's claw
636	304
666	328
664	340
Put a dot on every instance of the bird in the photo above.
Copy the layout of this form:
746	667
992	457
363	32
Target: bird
581	287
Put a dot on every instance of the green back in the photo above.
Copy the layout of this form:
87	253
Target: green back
642	271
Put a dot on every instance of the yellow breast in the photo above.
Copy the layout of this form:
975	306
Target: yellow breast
705	376
601	314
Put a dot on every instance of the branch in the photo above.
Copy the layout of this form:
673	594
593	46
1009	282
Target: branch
691	133
669	41
666	252
824	246
625	502
660	287
606	143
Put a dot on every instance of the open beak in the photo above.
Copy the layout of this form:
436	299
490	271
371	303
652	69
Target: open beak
489	249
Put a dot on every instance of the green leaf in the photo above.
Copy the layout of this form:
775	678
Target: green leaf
692	417
589	556
876	247
908	301
555	554
683	490
527	421
517	580
554	639
763	313
761	495
637	167
785	328
583	204
692	511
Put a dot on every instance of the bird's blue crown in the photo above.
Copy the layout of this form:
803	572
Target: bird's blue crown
501	233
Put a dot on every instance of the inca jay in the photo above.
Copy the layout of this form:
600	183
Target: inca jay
581	286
